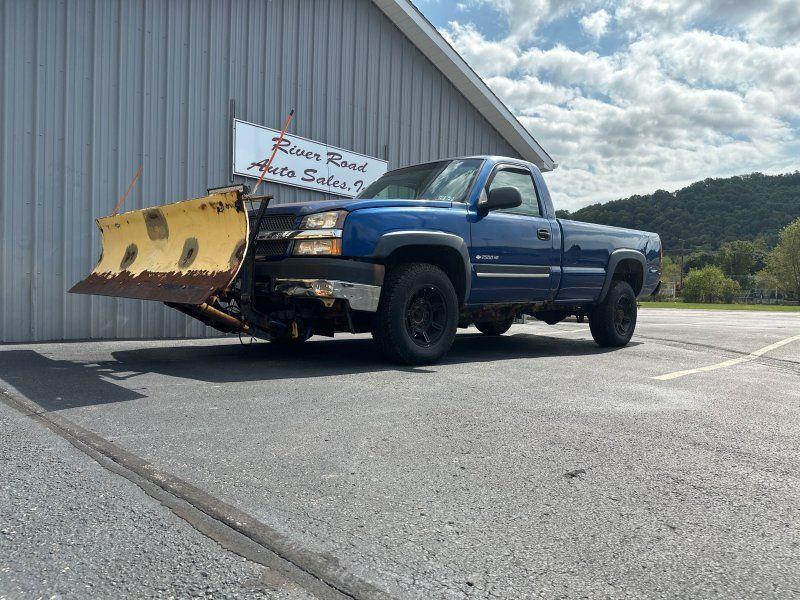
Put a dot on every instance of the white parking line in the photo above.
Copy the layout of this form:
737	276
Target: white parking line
729	363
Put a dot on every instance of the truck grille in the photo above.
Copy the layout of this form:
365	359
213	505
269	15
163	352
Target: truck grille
274	222
271	248
268	248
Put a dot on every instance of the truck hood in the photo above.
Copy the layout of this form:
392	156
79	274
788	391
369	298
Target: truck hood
305	208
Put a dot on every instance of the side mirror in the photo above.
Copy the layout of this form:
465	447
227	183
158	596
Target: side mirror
504	197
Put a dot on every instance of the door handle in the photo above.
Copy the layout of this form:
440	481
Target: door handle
543	234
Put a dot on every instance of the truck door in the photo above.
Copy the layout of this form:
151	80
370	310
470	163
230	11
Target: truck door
513	252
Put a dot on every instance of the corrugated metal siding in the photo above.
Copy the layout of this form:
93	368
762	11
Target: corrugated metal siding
91	89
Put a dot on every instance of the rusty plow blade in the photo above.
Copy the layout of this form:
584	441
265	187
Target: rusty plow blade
181	253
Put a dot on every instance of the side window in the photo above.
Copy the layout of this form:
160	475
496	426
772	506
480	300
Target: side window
523	181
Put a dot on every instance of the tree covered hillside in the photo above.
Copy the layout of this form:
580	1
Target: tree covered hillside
707	213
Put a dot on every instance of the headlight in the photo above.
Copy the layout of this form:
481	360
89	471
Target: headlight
333	219
318	247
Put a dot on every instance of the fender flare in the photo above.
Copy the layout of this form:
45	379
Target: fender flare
614	260
389	242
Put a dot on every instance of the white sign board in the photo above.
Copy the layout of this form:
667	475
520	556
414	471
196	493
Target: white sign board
302	162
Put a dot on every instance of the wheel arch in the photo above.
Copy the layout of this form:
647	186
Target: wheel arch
445	250
625	265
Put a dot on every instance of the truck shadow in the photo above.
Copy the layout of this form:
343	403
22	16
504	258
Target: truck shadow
62	384
235	363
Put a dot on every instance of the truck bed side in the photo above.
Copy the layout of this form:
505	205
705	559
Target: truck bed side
587	250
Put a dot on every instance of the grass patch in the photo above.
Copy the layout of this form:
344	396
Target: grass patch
699	306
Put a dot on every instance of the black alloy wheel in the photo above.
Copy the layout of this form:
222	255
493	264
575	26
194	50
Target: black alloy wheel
417	315
426	316
613	321
624	314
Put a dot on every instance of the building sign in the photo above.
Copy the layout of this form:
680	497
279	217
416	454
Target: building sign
302	162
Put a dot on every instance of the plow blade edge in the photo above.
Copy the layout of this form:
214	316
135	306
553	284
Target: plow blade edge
182	253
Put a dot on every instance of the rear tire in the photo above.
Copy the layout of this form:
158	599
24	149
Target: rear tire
613	321
495	327
417	316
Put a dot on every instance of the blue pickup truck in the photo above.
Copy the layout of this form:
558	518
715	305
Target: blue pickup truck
419	253
429	248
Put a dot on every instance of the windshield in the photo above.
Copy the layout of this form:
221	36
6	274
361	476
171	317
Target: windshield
447	180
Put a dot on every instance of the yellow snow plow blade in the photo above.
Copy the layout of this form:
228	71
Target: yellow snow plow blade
184	252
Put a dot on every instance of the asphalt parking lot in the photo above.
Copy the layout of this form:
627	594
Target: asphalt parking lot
531	465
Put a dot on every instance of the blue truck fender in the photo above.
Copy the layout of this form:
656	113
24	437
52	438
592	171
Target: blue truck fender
616	257
389	242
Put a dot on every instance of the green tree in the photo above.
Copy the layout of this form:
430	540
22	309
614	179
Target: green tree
700	259
670	270
736	259
708	213
709	284
783	263
767	282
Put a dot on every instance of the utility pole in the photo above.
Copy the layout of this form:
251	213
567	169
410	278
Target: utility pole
682	253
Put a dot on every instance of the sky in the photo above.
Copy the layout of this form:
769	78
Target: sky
631	96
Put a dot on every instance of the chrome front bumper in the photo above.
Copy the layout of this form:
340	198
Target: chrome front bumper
360	296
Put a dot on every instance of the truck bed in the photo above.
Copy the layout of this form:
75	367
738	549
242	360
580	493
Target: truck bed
586	251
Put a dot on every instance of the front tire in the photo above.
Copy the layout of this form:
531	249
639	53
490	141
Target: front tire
613	321
417	316
495	327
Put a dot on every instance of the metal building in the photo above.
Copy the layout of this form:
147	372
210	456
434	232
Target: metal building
91	89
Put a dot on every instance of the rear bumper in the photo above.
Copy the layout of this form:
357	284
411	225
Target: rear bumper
357	282
656	290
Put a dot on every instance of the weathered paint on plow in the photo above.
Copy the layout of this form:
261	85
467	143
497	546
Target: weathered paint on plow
182	253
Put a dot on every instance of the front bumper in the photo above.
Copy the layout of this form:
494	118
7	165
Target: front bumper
326	279
360	296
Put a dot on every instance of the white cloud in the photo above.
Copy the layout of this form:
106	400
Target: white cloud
528	90
595	24
672	105
769	21
485	56
526	16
